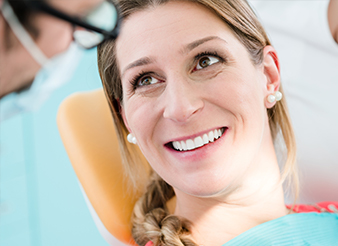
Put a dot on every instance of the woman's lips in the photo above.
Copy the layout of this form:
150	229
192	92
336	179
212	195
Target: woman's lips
197	142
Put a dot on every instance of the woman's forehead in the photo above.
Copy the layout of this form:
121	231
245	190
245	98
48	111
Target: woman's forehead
170	26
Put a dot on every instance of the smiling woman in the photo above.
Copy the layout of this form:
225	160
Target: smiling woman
197	85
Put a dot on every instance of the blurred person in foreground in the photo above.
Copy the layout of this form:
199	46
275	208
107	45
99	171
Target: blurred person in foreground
41	43
38	59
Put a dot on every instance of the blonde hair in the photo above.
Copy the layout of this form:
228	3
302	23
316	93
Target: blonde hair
151	220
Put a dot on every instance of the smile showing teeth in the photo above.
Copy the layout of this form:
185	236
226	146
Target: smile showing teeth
197	142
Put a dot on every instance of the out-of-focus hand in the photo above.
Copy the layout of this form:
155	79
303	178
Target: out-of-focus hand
332	16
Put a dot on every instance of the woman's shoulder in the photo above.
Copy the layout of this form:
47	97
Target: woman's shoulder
322	207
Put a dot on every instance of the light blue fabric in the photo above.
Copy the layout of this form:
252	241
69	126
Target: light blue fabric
294	229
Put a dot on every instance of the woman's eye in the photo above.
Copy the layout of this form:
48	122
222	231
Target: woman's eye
206	61
148	80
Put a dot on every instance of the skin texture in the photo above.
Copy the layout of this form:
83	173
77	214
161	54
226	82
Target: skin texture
18	68
237	177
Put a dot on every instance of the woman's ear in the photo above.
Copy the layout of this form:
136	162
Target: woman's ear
272	74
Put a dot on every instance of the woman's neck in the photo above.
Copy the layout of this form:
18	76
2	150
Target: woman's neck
215	222
257	199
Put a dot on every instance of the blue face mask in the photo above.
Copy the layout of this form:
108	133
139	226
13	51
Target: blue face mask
51	76
54	72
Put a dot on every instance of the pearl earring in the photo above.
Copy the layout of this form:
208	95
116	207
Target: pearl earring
278	95
131	138
275	97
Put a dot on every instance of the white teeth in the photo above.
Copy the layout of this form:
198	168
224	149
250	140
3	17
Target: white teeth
184	146
190	144
198	141
211	136
216	134
205	139
178	146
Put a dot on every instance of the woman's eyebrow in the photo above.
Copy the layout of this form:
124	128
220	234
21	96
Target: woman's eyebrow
140	62
189	47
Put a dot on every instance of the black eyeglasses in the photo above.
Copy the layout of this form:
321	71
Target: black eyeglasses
100	24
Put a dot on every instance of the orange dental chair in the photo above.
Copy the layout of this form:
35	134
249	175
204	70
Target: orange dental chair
87	131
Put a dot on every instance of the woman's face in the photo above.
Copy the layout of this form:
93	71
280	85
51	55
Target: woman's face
186	80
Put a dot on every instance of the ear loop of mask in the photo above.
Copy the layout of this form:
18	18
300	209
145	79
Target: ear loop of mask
23	36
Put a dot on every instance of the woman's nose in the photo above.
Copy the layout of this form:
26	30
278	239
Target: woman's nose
182	101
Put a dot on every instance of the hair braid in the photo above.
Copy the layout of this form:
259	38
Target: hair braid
152	221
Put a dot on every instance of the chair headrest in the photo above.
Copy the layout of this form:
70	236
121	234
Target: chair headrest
87	131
